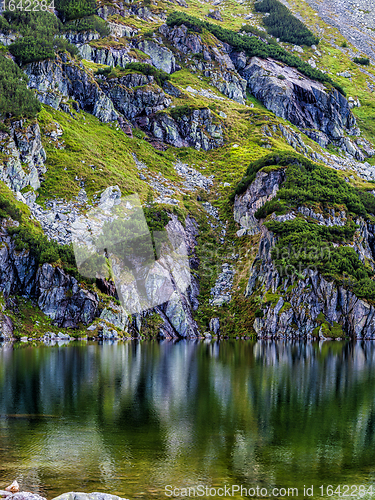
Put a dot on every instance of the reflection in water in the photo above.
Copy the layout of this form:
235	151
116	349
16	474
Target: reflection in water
134	417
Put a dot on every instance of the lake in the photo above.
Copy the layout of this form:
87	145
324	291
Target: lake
136	417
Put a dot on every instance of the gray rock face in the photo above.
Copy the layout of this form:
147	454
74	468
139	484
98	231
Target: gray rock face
81	37
110	56
6	329
59	295
301	301
132	97
217	65
23	146
62	299
144	100
261	190
56	79
304	102
196	130
161	57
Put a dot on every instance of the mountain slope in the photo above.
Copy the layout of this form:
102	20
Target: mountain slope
246	148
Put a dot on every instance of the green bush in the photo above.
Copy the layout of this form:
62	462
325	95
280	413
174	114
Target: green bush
29	49
159	75
365	61
15	98
252	46
37	24
4	25
61	45
91	23
283	25
74	9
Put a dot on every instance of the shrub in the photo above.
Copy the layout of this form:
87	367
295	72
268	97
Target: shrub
365	61
282	24
4	25
305	244
37	24
91	23
75	9
252	46
30	49
15	98
146	69
61	45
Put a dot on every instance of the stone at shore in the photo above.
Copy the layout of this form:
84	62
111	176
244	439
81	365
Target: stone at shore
87	496
21	495
26	495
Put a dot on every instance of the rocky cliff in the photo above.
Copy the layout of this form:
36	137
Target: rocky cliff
180	128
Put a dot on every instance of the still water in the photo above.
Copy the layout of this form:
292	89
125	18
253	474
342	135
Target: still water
132	418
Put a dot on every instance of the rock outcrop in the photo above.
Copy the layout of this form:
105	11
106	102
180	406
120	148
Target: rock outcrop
22	156
297	306
214	62
324	115
58	295
194	129
262	189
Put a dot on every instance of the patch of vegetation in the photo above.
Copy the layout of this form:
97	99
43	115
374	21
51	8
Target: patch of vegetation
39	40
90	23
328	330
15	98
252	46
159	75
75	9
282	24
364	61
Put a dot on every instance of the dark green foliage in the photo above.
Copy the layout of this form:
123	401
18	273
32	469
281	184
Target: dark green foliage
75	9
62	45
282	24
156	219
91	23
30	49
146	69
304	245
15	98
254	31
252	46
39	39
259	313
365	61
307	183
40	24
4	25
104	71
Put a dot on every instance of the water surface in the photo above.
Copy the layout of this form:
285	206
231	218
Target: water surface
131	418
